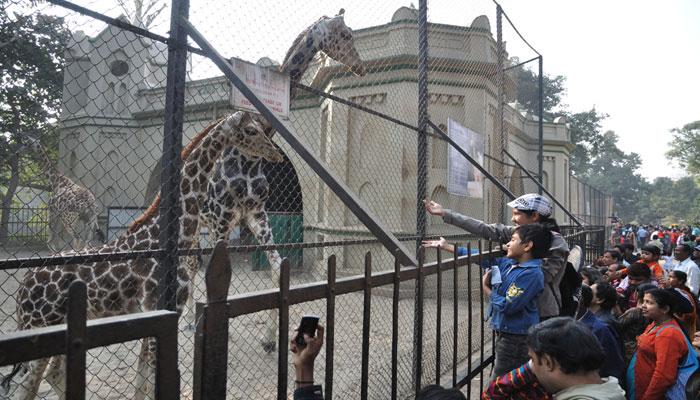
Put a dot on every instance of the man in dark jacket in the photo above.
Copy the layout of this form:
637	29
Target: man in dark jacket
527	209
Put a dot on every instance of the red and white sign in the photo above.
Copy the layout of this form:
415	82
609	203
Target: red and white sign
269	85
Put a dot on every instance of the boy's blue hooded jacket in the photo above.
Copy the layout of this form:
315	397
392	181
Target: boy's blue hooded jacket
514	302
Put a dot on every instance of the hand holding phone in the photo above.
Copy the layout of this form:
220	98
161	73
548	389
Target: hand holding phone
307	326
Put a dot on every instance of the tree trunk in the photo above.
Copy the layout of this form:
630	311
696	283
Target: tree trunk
9	195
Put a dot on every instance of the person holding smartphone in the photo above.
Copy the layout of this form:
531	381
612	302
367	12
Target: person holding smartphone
305	346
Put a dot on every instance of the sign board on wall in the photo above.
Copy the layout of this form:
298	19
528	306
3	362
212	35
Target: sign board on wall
269	85
463	179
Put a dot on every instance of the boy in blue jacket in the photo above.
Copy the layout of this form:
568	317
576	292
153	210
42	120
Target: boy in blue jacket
514	300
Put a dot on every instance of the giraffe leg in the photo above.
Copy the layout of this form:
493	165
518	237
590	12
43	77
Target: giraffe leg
145	372
28	386
56	376
69	220
259	226
193	264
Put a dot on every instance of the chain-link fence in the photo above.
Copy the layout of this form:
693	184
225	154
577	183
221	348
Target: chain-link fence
360	99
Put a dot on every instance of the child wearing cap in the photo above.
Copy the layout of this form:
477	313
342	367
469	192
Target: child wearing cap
527	209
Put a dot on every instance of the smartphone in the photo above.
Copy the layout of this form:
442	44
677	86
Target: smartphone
308	326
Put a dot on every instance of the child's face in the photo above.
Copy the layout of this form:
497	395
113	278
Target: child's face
648	256
516	248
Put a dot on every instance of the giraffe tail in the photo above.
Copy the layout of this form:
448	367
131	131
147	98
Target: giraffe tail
7	380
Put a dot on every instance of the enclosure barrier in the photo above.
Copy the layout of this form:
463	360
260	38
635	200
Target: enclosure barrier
212	330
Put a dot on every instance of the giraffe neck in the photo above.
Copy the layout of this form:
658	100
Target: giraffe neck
303	50
48	167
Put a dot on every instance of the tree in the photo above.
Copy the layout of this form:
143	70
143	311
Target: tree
31	63
529	95
142	15
584	129
685	147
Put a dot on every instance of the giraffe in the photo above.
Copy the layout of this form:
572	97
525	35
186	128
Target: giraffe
68	203
120	287
237	189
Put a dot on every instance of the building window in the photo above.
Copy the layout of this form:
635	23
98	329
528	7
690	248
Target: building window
119	67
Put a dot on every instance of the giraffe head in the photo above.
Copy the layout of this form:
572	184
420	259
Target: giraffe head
329	35
253	137
338	43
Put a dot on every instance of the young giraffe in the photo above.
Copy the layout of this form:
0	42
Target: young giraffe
69	202
121	287
238	189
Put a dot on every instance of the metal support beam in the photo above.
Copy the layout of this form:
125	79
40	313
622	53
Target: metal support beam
478	166
336	185
422	151
172	144
542	189
540	128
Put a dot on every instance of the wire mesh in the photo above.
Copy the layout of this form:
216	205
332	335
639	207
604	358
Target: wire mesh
106	136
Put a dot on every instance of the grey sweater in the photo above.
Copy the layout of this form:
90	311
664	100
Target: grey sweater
549	302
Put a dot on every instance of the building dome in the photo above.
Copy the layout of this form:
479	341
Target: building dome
405	13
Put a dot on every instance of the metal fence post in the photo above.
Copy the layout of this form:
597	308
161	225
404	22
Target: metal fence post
76	340
540	127
422	155
500	140
172	144
215	325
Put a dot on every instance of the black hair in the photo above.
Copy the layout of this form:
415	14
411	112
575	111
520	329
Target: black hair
639	270
680	275
629	246
672	299
569	342
586	296
540	237
548	222
643	288
592	274
614	254
686	247
437	392
607	293
655	250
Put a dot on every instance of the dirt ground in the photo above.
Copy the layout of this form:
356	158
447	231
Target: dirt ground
253	373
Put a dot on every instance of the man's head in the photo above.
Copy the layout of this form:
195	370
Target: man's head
696	252
650	253
610	257
436	392
530	208
682	252
638	273
529	241
561	346
604	296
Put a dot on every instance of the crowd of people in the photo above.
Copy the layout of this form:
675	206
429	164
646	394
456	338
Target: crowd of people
624	327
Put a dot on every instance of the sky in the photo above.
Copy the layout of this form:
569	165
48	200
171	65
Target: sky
636	60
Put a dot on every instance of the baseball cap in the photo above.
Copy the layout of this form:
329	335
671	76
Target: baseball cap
533	202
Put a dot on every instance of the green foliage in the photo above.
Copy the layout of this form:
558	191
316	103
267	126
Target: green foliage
528	92
685	147
32	46
31	63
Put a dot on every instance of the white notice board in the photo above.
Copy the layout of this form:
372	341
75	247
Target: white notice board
463	179
269	85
